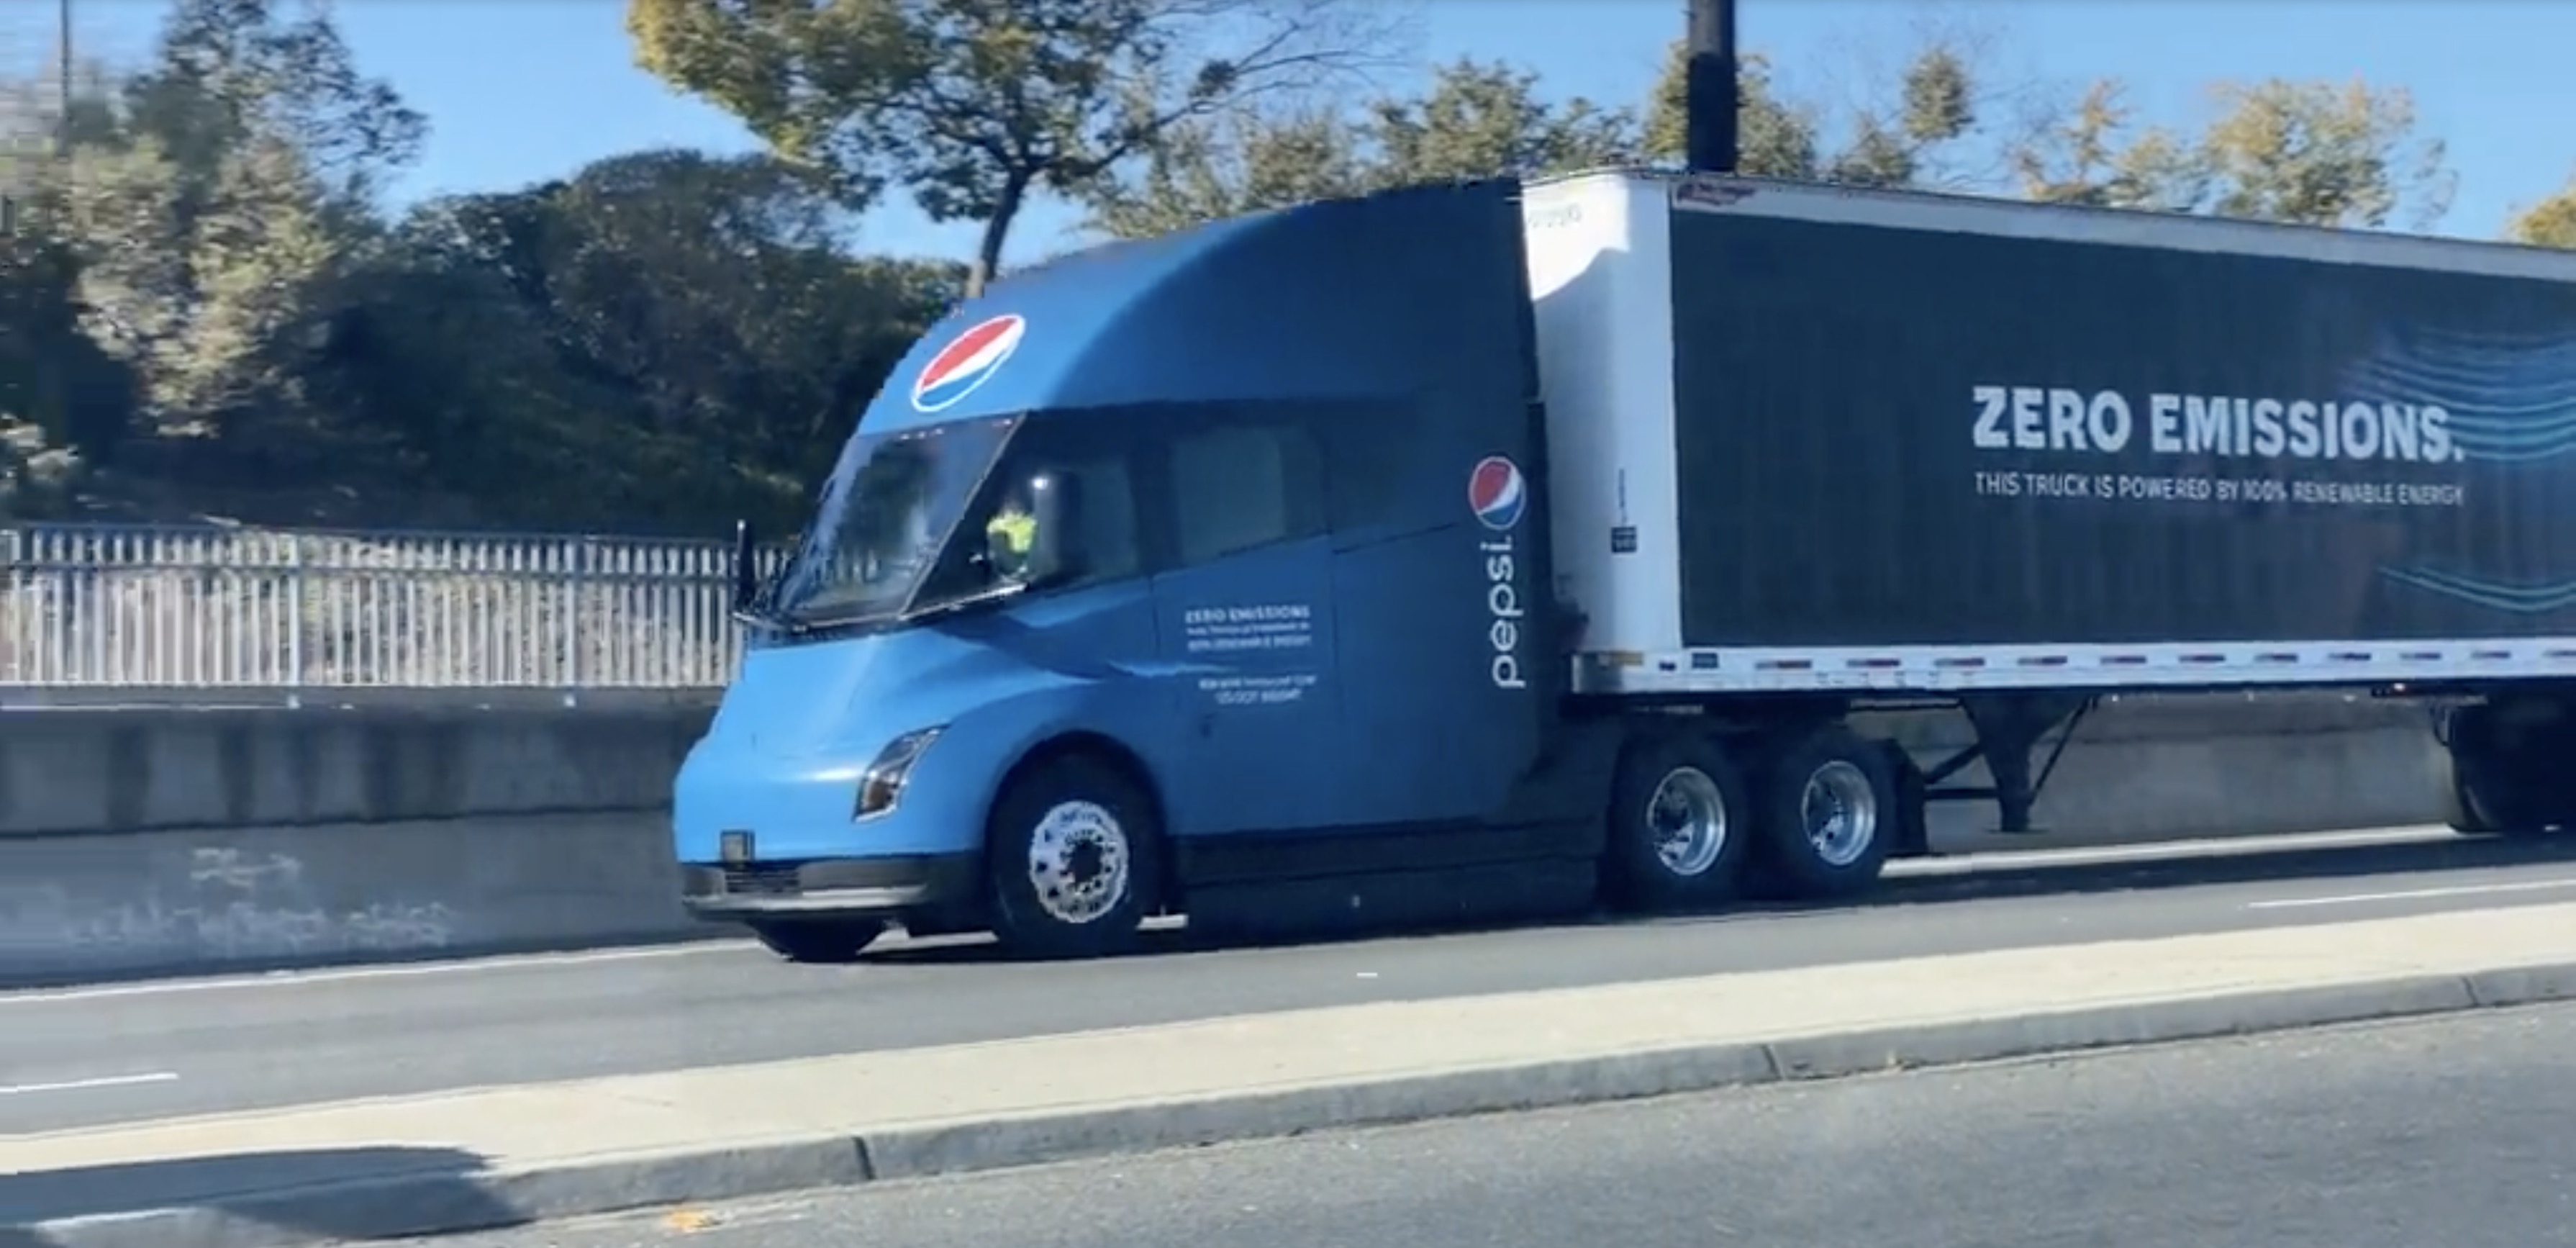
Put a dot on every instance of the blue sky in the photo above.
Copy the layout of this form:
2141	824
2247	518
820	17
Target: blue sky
520	90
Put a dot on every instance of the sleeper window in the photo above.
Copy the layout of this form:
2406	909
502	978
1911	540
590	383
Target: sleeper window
1242	486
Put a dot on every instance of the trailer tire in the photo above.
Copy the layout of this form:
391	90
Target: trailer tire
2482	793
1074	859
1679	832
2476	801
1829	815
821	941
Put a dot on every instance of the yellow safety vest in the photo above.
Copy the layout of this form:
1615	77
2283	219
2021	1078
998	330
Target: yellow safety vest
1014	531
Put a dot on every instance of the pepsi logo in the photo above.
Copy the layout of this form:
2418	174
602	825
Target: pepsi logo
1496	493
968	361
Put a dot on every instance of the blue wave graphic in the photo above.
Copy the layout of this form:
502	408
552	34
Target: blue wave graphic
2535	599
2511	397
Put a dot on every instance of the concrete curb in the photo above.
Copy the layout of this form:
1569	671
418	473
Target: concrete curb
450	1201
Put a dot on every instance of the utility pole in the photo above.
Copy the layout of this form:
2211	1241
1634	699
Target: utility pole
63	88
1710	93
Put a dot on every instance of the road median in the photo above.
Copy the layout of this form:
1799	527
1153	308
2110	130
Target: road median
498	1156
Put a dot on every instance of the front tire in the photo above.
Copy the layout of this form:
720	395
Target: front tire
1829	815
817	940
1074	859
1678	831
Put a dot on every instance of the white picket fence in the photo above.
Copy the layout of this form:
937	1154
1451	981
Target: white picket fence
88	607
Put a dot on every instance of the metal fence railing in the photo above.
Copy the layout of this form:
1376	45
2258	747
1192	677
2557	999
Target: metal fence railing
172	608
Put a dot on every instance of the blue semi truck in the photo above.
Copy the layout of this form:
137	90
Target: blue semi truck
1493	550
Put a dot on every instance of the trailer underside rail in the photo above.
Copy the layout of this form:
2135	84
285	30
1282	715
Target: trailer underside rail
1964	669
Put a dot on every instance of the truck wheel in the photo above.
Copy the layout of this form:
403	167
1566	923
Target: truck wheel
1072	851
1828	815
2477	801
2483	795
1677	826
817	940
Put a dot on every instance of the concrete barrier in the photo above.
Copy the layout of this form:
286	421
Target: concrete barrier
136	841
2184	768
157	840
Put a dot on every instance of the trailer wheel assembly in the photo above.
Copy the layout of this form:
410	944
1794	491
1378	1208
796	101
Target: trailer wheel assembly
2492	788
1073	856
1829	815
1678	825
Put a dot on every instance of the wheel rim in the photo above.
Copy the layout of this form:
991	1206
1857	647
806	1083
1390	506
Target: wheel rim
1840	811
1079	862
1687	817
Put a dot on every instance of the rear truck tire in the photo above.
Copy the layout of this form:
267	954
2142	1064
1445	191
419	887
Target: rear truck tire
1075	861
1829	815
1679	826
822	941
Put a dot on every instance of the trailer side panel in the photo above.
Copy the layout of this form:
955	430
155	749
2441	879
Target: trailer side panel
1905	437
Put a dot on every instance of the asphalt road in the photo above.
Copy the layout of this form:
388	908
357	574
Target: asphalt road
157	1050
2459	1132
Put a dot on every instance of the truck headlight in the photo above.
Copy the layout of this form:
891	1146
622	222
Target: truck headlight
882	782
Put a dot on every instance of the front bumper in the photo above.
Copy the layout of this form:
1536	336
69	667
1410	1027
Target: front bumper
832	888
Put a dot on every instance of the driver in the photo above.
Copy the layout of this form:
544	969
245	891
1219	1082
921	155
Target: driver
1011	532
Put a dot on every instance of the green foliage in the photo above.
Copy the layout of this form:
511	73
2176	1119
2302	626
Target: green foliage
1934	102
1477	120
1482	119
976	106
204	313
2305	153
2088	155
1775	138
2549	223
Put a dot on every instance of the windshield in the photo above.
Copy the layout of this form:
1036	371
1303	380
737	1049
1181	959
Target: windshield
887	510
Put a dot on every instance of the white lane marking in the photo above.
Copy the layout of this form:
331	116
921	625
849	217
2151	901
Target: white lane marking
2158	851
2414	894
288	979
85	1085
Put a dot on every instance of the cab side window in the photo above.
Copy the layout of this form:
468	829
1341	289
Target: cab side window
1106	517
1238	486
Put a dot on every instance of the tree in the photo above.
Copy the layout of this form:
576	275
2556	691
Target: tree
682	325
1233	164
2549	223
1894	137
2308	153
1892	145
1775	138
2091	155
2321	154
62	400
228	72
1487	119
1479	119
977	106
206	211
